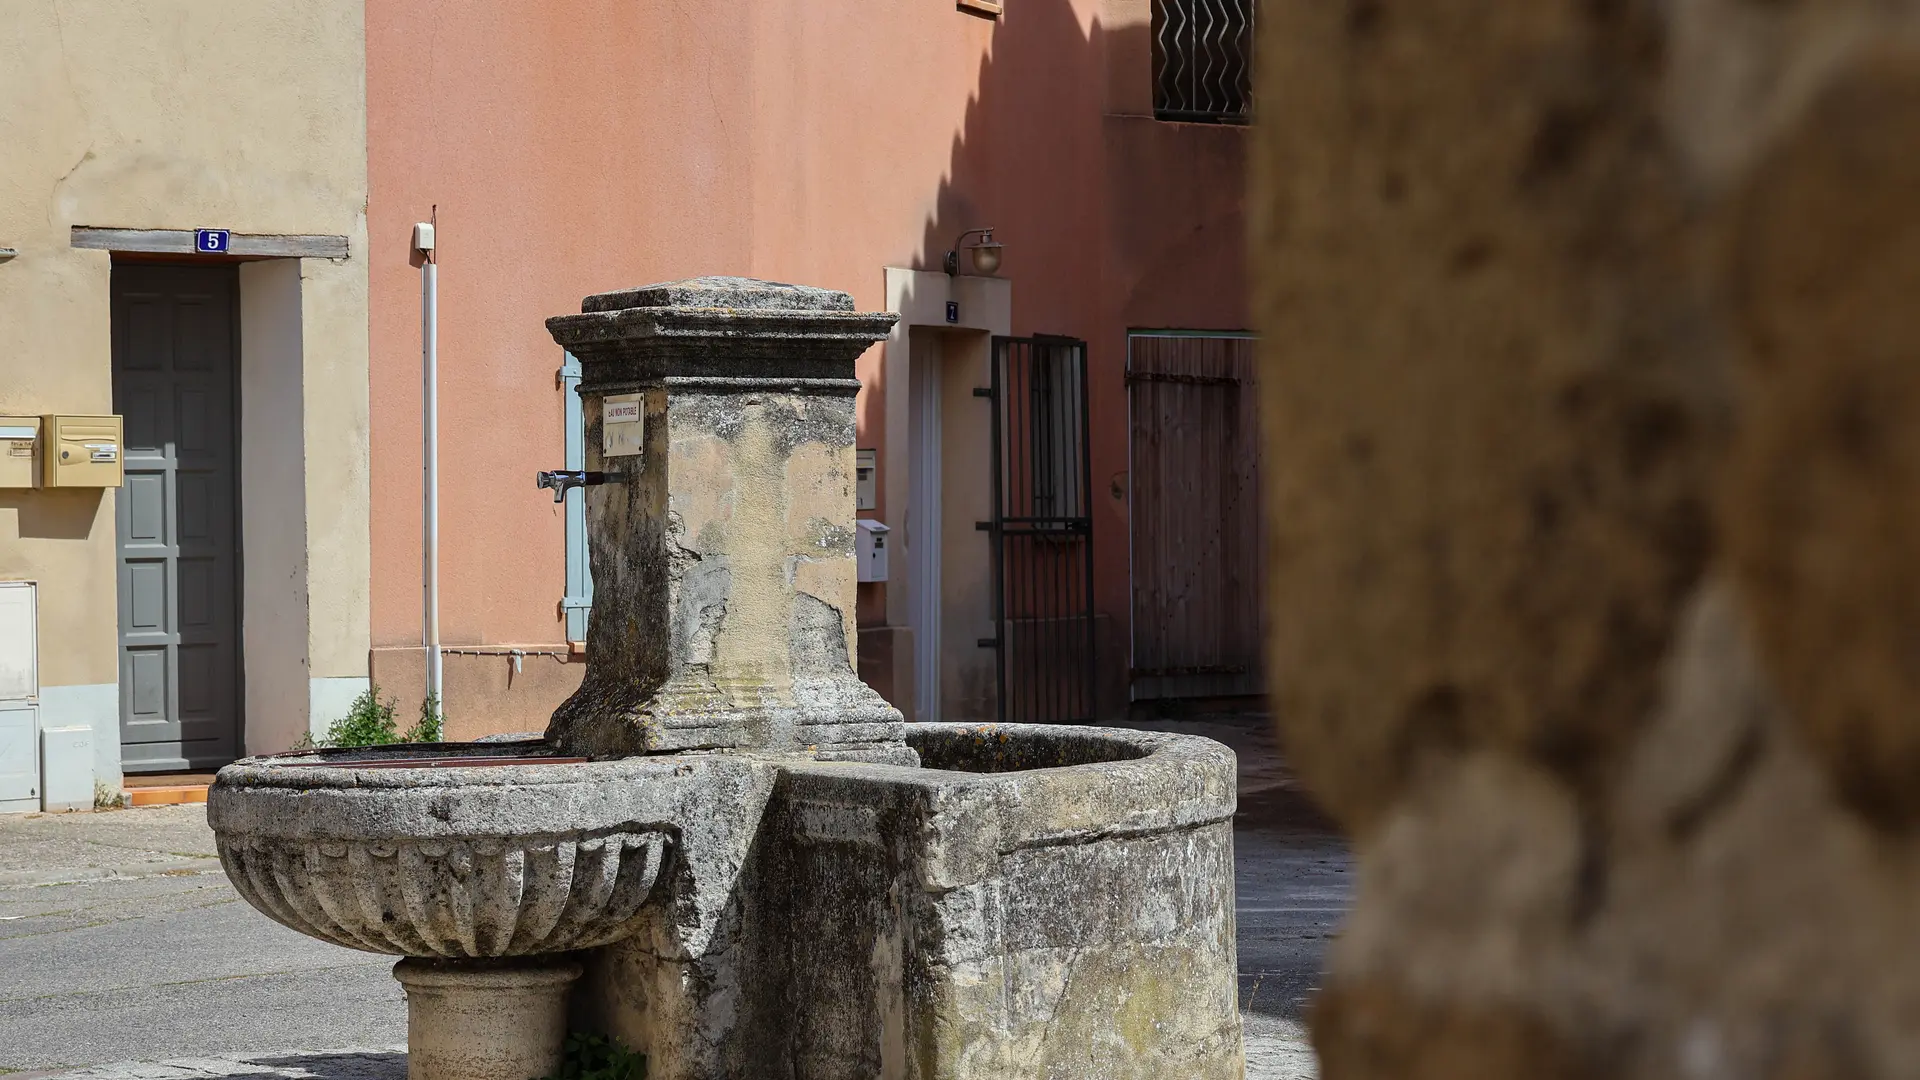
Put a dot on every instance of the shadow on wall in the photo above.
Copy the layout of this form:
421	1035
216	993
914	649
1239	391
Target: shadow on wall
1111	220
54	514
1107	214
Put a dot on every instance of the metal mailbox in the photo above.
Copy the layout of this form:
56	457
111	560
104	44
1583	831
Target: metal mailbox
81	451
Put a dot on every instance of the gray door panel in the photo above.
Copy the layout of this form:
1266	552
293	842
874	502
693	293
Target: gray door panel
174	358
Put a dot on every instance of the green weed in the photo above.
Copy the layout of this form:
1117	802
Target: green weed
596	1057
370	722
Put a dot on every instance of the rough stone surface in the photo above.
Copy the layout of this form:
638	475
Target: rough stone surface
1593	371
723	560
984	916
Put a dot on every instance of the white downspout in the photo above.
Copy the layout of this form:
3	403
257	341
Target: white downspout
423	240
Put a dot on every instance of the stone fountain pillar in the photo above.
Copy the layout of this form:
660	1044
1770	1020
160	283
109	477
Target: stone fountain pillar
722	542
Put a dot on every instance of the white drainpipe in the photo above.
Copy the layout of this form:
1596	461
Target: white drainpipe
430	426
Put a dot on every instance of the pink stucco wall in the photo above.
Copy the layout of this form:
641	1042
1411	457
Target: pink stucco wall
814	141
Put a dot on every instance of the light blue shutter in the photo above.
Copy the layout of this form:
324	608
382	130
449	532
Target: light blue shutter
579	595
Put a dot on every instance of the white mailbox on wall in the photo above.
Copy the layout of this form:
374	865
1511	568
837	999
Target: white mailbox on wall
870	547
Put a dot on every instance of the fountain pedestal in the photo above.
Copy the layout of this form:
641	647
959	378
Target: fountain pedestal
484	1021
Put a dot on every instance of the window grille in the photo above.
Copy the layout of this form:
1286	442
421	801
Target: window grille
1203	60
1054	397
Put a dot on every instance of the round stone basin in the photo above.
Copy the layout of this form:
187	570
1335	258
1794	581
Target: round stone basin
459	851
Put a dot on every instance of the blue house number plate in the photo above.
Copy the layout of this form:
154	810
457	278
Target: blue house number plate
953	311
210	241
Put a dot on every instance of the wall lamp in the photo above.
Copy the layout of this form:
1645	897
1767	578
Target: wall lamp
986	253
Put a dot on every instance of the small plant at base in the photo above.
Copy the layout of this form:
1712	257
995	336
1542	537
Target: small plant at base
431	724
369	722
106	798
596	1057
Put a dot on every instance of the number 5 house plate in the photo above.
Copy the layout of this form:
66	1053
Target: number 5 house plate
623	425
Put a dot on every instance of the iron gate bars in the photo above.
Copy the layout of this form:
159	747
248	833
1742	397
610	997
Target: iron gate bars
1042	531
1203	60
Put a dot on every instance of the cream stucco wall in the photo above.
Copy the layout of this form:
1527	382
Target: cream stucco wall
179	114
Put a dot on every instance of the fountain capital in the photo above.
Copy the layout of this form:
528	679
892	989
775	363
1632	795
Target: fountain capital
719	328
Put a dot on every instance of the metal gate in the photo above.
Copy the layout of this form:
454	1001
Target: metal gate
1042	531
1194	506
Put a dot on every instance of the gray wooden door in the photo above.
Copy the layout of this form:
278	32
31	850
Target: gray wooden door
175	346
1195	517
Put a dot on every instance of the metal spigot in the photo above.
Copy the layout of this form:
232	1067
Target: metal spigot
562	479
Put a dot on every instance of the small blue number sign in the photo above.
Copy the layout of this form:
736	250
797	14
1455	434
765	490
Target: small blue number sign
953	311
210	241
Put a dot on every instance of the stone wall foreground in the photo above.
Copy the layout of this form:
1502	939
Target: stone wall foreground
1592	398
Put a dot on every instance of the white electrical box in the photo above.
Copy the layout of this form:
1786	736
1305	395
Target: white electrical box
66	768
866	492
19	757
19	633
870	548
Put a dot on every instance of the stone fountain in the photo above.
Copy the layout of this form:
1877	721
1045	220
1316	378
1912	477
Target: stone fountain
728	852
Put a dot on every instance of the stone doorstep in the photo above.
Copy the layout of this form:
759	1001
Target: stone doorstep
170	795
166	789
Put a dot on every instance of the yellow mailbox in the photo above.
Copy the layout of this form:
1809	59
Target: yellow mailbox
19	451
80	451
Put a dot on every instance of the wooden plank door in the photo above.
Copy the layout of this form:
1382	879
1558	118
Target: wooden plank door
1195	520
175	346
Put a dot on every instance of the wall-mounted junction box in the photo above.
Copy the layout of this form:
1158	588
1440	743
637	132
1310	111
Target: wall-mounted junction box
866	485
81	451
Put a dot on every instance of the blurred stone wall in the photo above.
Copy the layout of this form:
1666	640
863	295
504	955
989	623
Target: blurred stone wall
1592	391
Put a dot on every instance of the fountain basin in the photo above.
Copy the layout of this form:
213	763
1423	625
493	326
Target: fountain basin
1030	901
456	851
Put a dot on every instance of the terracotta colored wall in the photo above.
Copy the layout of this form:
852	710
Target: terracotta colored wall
804	141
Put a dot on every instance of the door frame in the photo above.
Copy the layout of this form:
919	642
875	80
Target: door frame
924	521
969	309
239	747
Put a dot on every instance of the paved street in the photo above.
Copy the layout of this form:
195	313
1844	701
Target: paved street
121	942
1292	876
